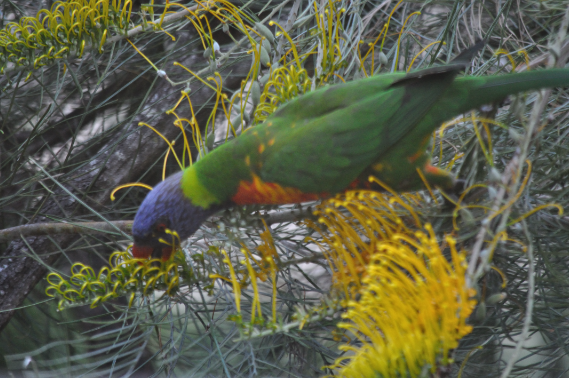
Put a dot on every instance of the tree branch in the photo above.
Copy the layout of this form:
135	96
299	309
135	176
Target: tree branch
110	228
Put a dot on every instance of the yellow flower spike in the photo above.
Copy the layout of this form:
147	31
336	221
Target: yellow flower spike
535	210
236	286
387	24
127	18
164	138
141	54
72	295
274	286
82	49
411	306
61	52
118	286
400	34
130	301
52	291
198	28
196	76
424	179
97	286
256	303
502	275
486	151
508	55
526	58
218	80
173	285
179	122
515	198
292	45
103	39
149	286
107	297
94	304
214	276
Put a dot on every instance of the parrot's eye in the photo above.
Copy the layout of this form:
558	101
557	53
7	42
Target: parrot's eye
161	227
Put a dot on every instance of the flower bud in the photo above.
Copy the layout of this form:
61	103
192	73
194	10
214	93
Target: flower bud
265	59
207	52
467	217
264	79
210	139
382	58
236	121
480	312
496	298
255	93
265	32
266	44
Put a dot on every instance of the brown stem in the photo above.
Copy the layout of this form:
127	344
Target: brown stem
93	228
86	228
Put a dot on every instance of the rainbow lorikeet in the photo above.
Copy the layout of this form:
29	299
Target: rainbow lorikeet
327	141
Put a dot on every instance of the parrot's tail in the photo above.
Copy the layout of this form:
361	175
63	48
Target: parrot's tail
485	90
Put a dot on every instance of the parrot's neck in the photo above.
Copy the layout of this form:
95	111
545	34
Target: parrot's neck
195	191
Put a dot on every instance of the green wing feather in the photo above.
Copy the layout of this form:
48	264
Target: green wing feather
324	140
330	151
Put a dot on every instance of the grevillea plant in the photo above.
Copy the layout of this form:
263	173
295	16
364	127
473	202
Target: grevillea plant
401	290
63	32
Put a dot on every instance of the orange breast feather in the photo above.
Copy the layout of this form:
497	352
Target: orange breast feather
270	193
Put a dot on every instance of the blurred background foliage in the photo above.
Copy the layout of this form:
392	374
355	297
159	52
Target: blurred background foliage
69	113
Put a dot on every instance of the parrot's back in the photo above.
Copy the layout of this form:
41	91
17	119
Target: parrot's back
325	141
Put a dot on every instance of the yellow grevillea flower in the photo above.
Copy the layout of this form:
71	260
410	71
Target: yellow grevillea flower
125	275
354	222
406	302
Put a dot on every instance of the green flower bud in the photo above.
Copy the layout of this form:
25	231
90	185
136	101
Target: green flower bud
265	32
264	79
236	121
207	52
210	139
255	93
265	59
467	216
266	45
480	312
496	298
382	58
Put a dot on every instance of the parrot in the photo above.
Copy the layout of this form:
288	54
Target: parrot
325	142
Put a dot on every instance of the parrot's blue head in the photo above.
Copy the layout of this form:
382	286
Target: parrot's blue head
165	208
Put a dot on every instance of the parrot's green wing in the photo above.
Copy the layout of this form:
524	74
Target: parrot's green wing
327	152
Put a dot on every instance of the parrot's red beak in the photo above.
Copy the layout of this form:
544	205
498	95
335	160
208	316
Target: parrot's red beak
141	251
145	252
